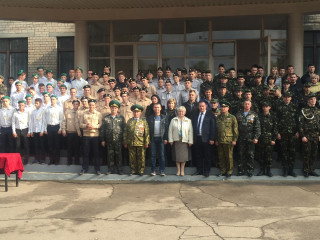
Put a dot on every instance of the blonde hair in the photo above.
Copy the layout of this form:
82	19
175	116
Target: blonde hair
182	109
313	75
170	101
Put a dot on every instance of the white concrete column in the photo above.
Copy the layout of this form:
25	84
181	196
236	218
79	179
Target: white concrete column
81	46
295	41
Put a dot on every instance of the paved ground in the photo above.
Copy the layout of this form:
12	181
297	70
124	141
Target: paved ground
180	210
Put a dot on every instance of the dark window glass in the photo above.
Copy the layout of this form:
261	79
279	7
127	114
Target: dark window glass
197	30
308	38
173	31
147	50
124	50
174	63
136	31
99	51
20	44
146	64
125	65
65	54
169	50
4	44
197	50
99	32
97	65
65	43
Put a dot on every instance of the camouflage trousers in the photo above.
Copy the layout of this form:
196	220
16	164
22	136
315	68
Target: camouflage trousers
225	153
246	156
137	159
310	152
114	155
288	150
264	154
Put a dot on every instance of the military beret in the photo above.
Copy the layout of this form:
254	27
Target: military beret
40	67
63	74
225	104
46	93
117	88
247	91
20	72
287	94
29	96
22	101
223	86
266	103
214	100
175	75
53	96
79	68
311	95
266	87
136	108
184	71
63	85
168	81
92	100
114	103
107	95
168	68
49	71
35	76
125	86
144	89
86	86
130	80
103	74
111	80
160	68
60	80
17	82
286	81
5	97
123	92
240	75
178	69
94	73
144	78
49	84
83	98
107	66
101	90
75	101
276	88
257	75
188	80
307	85
136	88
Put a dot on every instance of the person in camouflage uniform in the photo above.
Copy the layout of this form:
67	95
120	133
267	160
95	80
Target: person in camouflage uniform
136	138
249	133
287	119
237	101
304	96
3	88
267	139
111	137
309	128
226	138
207	84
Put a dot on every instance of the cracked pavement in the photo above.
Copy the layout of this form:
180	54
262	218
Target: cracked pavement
194	210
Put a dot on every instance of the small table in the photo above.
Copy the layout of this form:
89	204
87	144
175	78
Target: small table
11	163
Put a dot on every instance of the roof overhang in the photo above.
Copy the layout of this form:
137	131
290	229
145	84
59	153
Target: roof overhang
78	10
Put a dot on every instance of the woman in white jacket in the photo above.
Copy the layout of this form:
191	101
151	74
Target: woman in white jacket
180	136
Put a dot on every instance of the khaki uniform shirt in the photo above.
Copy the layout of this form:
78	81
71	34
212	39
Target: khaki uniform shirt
125	110
94	89
69	122
68	104
95	119
144	103
104	111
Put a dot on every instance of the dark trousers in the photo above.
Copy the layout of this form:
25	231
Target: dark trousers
90	148
73	142
54	143
203	155
310	152
6	140
23	141
39	147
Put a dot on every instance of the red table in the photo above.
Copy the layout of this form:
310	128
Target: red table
11	163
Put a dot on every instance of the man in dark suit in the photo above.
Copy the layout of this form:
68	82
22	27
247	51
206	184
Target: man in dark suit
204	128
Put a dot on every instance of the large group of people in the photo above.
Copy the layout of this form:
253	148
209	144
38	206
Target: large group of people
180	116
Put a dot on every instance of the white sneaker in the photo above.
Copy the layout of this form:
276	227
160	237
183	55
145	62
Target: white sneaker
153	173
162	173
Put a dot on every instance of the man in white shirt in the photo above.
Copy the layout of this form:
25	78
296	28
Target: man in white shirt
49	74
35	82
20	124
36	129
63	95
78	83
6	138
53	117
17	95
42	78
21	78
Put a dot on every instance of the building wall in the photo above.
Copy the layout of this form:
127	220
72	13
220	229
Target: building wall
42	40
312	22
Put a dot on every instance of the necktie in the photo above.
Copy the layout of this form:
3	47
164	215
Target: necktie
199	122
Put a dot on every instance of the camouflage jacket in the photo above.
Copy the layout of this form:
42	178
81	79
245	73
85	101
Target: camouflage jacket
249	126
269	129
112	129
136	133
3	89
287	118
309	122
227	128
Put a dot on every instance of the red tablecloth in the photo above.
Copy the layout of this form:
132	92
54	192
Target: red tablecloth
11	162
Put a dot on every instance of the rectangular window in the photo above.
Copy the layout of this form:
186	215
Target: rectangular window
13	56
65	54
311	53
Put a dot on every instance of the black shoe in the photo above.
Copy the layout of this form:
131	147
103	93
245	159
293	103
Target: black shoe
82	172
240	173
206	174
268	172
140	174
228	175
221	174
249	174
292	173
261	172
197	173
314	174
305	174
98	172
108	172
285	172
120	172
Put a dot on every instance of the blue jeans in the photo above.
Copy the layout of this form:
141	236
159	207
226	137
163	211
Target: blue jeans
157	142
